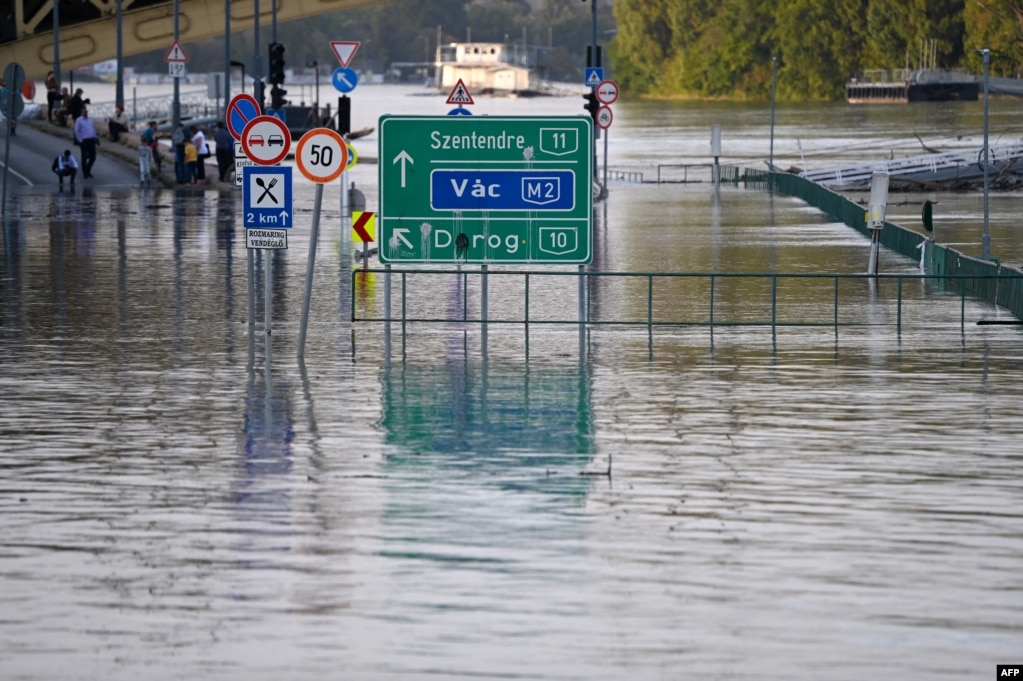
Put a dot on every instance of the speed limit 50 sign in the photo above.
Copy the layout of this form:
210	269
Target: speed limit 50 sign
321	155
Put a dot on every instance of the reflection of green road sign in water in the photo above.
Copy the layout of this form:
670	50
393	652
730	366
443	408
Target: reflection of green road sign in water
501	189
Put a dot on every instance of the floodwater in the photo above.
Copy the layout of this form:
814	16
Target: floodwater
742	503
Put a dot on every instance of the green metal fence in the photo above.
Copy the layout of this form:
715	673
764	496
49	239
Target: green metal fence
715	300
670	299
984	279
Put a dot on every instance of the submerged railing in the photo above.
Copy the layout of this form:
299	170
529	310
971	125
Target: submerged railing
674	299
713	300
993	282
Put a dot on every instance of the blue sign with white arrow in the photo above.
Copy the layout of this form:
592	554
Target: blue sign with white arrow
266	197
497	190
345	79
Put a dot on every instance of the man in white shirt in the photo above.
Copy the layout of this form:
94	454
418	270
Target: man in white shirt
65	165
85	133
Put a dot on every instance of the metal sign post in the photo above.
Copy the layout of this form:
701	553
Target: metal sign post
12	105
876	216
321	156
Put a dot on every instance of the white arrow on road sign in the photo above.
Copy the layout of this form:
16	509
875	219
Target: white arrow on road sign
403	157
344	79
399	233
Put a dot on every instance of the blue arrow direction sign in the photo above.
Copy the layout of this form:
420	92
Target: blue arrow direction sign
266	197
345	79
497	190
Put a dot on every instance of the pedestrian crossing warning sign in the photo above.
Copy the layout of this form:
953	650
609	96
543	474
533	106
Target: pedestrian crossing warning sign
460	94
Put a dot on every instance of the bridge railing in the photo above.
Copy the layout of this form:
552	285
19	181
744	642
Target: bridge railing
939	166
158	108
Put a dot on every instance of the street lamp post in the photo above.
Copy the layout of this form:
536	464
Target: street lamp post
774	82
316	79
56	42
986	241
227	57
119	86
176	107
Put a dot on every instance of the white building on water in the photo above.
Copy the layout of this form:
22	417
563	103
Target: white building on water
493	68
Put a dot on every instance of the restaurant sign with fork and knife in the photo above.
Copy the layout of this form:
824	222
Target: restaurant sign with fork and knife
266	187
267	199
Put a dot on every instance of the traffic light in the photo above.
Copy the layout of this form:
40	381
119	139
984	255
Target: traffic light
591	105
276	64
277	100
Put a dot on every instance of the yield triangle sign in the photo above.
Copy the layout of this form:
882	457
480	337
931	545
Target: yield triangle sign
460	94
345	50
175	53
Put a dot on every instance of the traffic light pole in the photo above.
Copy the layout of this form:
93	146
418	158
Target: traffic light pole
276	77
176	105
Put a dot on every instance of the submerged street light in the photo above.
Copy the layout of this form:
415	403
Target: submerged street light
774	81
985	248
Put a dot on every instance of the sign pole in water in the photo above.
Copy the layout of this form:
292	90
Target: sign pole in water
876	215
12	105
309	268
321	156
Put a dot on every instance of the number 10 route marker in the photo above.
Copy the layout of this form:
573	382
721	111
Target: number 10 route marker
494	189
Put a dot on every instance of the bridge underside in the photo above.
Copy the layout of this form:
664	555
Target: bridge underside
88	29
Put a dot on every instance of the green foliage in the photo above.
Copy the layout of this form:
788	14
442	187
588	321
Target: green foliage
690	48
699	48
998	26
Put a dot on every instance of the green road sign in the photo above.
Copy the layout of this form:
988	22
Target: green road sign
486	189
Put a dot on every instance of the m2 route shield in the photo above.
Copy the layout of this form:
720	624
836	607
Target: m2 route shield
486	189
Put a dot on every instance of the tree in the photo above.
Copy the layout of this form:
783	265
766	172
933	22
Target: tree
998	26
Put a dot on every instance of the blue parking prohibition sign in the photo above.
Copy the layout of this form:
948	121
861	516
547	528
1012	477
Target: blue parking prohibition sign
242	109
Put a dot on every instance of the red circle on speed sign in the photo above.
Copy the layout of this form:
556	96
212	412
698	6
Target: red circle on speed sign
321	155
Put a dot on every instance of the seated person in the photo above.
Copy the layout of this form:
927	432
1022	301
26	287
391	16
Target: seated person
65	165
60	103
118	123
